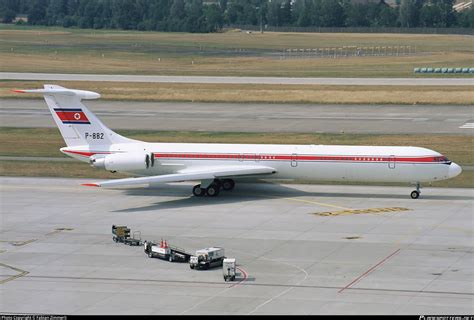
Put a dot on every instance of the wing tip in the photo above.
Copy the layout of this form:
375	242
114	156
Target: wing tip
90	184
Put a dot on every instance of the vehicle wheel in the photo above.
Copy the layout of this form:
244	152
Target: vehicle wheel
170	259
213	190
225	278
115	239
198	191
233	278
414	194
192	267
150	255
218	182
228	184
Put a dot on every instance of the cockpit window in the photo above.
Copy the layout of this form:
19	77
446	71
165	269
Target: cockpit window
442	159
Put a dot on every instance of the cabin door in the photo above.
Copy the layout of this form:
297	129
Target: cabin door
294	160
391	162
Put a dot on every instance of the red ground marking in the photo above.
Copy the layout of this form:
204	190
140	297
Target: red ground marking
245	277
370	270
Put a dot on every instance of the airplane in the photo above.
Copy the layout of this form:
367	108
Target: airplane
218	166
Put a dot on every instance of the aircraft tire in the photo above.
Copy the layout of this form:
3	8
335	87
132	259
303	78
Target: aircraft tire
228	184
414	194
213	190
198	191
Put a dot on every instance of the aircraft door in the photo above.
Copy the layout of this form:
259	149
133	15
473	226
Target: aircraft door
294	160
391	162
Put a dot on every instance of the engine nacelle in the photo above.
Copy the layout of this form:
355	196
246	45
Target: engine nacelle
122	161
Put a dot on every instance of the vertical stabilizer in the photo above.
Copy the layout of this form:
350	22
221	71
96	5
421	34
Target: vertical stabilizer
78	126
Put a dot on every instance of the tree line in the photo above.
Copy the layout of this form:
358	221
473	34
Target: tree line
212	16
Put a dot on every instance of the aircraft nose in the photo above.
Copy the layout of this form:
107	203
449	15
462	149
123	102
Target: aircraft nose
454	170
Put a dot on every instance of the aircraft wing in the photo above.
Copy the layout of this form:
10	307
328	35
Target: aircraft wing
204	173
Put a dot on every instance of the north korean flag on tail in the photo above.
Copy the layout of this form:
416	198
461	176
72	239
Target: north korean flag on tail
72	116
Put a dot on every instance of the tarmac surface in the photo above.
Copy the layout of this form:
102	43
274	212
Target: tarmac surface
240	80
227	117
300	249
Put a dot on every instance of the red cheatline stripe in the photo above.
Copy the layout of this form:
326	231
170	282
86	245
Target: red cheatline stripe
19	91
90	184
369	271
263	157
427	159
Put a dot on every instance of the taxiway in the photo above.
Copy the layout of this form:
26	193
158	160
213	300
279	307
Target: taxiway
300	249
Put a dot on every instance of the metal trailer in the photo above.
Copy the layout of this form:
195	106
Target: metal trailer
122	234
207	258
228	269
166	252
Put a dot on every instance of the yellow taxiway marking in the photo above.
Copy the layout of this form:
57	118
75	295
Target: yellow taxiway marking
466	231
20	274
360	211
300	200
317	203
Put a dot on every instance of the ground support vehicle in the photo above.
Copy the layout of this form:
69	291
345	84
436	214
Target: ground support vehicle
228	269
207	258
166	252
122	234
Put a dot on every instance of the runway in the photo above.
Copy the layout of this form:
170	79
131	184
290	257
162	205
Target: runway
300	249
241	80
227	117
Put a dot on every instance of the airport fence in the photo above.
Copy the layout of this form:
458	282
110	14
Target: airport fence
348	51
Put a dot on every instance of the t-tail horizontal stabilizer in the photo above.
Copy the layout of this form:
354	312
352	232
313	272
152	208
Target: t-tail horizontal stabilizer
56	90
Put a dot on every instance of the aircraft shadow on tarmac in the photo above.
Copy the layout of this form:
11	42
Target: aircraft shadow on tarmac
256	192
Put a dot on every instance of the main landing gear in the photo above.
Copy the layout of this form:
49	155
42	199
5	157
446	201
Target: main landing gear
415	194
214	188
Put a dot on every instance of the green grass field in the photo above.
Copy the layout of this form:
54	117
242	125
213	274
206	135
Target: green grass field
45	142
245	93
59	50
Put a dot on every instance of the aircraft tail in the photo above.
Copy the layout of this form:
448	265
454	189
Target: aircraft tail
78	125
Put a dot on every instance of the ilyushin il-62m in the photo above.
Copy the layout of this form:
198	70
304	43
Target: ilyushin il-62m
216	167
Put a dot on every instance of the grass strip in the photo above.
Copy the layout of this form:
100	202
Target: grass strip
264	93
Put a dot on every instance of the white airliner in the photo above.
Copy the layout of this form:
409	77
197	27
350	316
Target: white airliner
216	166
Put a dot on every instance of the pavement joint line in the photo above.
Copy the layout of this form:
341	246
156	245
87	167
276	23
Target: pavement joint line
148	280
64	188
20	274
284	291
442	272
211	297
369	271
